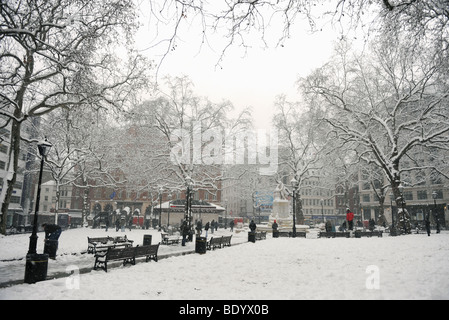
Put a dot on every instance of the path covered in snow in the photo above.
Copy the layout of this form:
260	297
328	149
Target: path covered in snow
404	267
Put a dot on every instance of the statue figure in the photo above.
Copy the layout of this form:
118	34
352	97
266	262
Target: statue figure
280	193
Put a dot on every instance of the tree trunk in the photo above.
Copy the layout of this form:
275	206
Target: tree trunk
11	169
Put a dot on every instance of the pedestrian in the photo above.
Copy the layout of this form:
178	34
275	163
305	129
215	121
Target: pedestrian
216	225
428	225
117	224
350	219
199	228
107	223
252	226
130	223
185	232
206	227
231	225
52	231
371	225
275	226
328	226
212	226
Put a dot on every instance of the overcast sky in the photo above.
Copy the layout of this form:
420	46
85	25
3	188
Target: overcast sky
252	79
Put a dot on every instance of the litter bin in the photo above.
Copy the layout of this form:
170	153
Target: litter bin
50	248
147	239
200	245
36	267
252	237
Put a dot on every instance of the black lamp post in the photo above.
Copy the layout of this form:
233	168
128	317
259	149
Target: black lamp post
434	196
36	264
188	214
160	206
294	183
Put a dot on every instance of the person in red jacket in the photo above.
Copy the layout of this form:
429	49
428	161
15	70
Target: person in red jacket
350	219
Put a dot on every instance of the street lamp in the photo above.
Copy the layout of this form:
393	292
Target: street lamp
294	183
169	209
434	196
36	264
322	209
161	190
188	214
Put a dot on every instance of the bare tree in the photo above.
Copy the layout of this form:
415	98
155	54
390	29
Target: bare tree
57	54
389	103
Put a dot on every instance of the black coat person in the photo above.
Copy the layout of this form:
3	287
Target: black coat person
185	232
199	227
428	225
252	226
52	231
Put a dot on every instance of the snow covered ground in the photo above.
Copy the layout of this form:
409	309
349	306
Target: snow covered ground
404	267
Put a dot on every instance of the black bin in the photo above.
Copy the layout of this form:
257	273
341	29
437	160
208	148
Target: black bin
200	245
147	239
36	267
252	237
50	248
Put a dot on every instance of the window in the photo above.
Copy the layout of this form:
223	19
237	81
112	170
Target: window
366	198
408	195
422	195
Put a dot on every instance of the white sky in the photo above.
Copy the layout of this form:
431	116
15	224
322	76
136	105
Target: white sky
254	79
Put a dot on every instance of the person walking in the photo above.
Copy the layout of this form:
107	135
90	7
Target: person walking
252	226
185	232
428	225
199	228
117	224
275	227
52	231
206	227
231	225
350	219
212	226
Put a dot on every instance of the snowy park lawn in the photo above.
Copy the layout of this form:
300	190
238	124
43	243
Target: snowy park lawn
404	267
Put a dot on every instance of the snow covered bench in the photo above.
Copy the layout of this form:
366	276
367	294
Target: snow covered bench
214	242
95	245
359	234
261	235
149	252
226	241
168	240
334	234
128	255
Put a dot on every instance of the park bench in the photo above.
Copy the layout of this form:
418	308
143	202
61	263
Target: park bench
169	240
369	234
95	245
261	235
149	252
214	242
226	241
333	234
128	255
299	234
